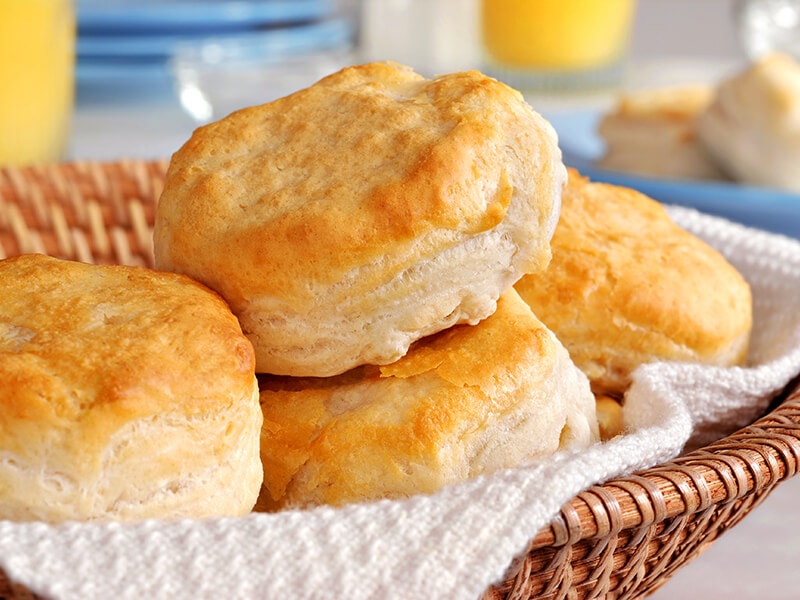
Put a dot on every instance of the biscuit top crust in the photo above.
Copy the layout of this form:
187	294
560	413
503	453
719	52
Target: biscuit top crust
368	161
628	286
85	349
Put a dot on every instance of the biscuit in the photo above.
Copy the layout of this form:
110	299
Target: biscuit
126	394
465	401
349	219
653	132
627	286
752	128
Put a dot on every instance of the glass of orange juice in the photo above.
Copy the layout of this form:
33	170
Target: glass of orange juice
556	43
37	57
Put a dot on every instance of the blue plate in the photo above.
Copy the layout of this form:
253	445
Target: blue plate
763	208
138	16
315	35
102	82
104	70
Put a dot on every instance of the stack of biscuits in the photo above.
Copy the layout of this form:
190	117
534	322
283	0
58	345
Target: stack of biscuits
372	288
367	231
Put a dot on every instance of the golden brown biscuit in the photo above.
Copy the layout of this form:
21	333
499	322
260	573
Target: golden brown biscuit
349	219
752	128
627	286
466	401
609	416
653	132
126	394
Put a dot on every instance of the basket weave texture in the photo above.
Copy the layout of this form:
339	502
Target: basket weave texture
621	539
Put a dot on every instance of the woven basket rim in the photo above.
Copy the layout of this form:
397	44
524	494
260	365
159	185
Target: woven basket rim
756	456
102	212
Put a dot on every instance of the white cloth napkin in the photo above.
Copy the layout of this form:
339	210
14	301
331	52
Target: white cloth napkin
452	544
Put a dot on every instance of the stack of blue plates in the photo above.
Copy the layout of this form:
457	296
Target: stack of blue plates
127	44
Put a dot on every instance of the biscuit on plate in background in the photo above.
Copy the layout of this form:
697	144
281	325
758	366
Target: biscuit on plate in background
752	127
653	132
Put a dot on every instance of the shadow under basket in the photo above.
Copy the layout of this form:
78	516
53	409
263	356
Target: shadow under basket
622	539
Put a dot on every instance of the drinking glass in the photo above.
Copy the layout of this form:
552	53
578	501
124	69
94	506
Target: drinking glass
768	26
555	44
37	57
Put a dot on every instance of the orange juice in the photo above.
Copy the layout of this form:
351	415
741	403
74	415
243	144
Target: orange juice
563	35
37	40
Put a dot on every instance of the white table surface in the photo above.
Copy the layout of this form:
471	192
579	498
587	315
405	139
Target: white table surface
756	559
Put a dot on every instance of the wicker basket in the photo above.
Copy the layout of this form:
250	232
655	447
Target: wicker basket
622	539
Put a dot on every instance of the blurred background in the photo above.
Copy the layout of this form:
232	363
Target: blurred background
143	73
131	79
174	64
131	48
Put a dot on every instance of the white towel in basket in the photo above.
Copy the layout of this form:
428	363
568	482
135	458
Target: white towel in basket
452	544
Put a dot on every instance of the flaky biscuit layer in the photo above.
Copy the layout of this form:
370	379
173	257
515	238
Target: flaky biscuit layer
373	208
465	401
